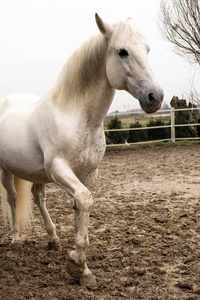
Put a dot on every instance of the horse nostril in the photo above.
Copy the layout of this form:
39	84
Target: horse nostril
151	97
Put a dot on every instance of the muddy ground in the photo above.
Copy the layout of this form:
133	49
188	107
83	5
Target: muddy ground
144	233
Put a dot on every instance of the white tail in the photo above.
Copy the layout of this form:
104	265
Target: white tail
23	205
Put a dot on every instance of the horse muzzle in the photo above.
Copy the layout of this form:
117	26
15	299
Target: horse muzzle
150	96
151	102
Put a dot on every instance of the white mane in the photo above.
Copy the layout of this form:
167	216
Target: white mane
83	68
80	71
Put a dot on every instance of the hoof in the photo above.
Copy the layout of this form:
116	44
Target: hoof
89	281
74	269
54	245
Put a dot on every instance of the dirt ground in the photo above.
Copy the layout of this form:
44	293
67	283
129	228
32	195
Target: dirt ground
144	233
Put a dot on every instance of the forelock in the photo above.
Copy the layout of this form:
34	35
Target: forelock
125	32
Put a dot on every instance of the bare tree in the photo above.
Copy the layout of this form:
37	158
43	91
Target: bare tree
193	96
180	24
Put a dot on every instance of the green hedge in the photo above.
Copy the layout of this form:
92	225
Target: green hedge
116	137
134	136
158	133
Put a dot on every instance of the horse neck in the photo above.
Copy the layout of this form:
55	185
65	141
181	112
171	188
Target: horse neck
82	83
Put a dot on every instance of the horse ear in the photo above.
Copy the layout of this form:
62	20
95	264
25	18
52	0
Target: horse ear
104	27
130	21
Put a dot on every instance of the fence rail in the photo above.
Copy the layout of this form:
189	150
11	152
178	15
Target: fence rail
173	137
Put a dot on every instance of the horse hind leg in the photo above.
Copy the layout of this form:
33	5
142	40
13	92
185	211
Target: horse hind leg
38	191
7	180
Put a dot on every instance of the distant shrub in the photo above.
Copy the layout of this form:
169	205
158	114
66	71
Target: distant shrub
116	137
137	135
142	135
184	117
158	133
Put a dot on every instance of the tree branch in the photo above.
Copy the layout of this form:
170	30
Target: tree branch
180	24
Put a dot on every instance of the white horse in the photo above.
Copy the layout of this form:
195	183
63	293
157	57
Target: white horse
59	138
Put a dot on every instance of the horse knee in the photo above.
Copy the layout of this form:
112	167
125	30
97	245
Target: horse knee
84	200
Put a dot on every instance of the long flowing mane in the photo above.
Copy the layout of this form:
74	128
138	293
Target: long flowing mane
84	67
81	71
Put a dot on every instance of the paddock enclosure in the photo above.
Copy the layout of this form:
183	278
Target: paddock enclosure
144	232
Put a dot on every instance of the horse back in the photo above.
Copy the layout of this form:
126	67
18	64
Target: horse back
17	101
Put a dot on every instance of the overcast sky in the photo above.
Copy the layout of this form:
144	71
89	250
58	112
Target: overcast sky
37	37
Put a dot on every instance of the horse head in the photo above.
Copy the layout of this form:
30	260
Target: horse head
127	66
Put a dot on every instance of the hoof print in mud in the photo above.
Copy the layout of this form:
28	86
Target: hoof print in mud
54	245
15	246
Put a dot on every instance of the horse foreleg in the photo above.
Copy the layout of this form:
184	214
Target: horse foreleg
76	263
38	191
83	204
7	180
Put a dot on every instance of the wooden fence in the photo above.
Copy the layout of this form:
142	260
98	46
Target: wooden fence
173	126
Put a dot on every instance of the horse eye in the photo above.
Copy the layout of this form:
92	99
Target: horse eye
123	53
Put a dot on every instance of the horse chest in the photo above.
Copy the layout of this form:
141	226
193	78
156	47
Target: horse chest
88	154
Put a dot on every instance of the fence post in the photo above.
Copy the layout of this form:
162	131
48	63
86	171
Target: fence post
172	124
